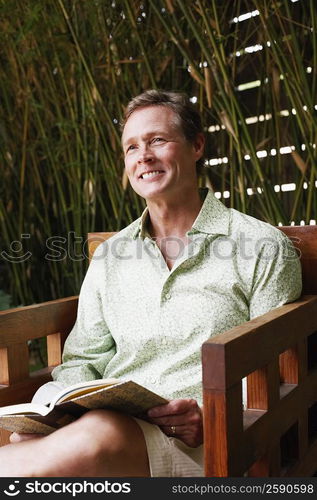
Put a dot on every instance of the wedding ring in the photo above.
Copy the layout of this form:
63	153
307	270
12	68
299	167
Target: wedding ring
173	429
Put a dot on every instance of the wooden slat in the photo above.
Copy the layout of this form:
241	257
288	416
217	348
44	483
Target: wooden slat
36	321
94	240
4	366
12	371
55	344
263	387
18	363
4	437
289	366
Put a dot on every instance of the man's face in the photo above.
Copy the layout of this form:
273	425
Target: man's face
159	161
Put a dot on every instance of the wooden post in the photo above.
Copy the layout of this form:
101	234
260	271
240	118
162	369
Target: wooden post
223	424
14	363
54	349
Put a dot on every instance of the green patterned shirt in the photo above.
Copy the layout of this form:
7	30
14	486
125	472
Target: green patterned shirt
139	320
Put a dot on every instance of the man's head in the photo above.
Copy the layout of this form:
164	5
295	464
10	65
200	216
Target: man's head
162	143
186	115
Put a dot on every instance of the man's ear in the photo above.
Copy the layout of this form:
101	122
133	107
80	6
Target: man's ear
199	145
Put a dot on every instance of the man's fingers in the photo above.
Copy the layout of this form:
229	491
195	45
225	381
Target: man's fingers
175	430
168	420
188	419
192	436
176	406
18	438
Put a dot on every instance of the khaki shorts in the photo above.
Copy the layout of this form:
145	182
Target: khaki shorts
170	457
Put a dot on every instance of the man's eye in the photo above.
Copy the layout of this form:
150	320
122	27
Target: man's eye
158	139
132	146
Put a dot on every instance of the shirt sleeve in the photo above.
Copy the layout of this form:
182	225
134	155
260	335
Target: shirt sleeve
277	276
90	346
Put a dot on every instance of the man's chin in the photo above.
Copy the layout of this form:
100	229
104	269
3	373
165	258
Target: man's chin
150	192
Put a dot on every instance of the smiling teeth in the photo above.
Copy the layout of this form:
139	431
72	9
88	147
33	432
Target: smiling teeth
150	174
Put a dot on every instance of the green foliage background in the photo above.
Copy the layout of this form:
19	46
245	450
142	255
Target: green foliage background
67	69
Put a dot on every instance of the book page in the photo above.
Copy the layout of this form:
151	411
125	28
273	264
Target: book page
25	408
80	388
128	397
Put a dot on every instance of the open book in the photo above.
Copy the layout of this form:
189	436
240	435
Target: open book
73	401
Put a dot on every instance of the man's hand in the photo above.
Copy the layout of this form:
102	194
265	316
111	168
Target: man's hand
180	418
18	438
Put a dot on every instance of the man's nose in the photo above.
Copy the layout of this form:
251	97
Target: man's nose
145	155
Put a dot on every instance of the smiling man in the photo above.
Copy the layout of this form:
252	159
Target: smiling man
187	269
161	165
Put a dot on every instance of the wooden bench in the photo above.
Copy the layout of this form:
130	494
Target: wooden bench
275	436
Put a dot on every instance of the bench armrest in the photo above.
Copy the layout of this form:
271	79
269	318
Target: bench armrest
53	320
272	352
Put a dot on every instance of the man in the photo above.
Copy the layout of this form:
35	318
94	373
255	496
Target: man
187	269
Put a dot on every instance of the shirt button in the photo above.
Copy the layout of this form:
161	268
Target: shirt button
168	296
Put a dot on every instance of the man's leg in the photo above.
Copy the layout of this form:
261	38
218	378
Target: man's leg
101	443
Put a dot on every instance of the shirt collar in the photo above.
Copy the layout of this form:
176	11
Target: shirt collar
213	217
141	228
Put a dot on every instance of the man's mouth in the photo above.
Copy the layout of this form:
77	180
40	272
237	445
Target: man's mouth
152	173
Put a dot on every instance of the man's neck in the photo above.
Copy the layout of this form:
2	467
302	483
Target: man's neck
174	217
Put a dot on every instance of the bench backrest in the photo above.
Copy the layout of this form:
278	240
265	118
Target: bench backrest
304	239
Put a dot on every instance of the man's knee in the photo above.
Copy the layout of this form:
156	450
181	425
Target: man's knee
100	442
101	432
